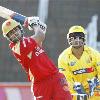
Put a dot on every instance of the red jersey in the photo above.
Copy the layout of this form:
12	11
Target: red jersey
33	58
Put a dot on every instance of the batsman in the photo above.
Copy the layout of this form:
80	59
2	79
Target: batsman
81	65
47	82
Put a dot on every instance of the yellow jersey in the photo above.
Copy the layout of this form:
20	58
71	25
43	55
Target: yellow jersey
79	70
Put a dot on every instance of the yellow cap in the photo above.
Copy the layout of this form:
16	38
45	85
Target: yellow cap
8	25
76	28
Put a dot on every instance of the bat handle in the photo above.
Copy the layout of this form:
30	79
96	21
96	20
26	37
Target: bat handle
19	18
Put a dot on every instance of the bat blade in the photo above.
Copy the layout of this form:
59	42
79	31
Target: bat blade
7	13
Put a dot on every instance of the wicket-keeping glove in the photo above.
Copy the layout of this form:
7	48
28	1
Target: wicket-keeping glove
78	87
92	84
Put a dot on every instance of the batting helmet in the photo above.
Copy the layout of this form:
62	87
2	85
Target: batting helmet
8	25
74	29
76	32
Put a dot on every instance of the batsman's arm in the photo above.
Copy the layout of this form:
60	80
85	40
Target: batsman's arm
39	29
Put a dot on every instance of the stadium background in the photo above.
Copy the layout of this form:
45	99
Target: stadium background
61	15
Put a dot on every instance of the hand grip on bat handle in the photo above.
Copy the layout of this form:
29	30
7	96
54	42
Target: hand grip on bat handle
23	20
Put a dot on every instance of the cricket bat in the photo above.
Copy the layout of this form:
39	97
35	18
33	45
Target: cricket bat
7	14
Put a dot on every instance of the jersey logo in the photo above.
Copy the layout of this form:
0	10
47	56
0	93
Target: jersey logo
85	70
72	63
38	51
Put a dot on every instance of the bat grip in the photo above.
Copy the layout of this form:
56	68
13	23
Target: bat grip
19	18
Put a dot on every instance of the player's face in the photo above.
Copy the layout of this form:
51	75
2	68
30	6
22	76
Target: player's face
76	39
14	35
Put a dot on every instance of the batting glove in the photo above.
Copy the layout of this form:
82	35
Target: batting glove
35	23
42	26
32	22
